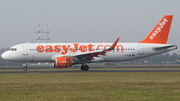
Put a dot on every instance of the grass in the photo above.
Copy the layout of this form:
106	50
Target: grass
138	86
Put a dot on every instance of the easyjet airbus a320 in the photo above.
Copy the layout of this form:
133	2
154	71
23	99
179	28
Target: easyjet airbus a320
67	54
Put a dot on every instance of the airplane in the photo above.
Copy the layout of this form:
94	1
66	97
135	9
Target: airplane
67	54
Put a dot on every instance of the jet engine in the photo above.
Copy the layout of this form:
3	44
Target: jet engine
63	62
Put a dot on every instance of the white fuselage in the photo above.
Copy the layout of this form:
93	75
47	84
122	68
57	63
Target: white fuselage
49	51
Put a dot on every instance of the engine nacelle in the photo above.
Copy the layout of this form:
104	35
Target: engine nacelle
63	62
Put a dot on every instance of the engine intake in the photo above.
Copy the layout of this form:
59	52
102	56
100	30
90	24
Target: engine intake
63	62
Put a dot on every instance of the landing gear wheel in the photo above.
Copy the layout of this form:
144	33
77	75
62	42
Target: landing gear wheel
82	67
85	67
25	68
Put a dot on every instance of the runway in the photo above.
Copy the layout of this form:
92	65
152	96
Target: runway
90	71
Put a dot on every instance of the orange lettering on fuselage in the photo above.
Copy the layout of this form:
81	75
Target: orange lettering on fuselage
75	49
99	46
49	48
107	48
65	49
57	48
82	48
40	48
90	46
118	48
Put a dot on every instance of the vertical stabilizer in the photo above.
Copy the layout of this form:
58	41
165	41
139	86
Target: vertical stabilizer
160	32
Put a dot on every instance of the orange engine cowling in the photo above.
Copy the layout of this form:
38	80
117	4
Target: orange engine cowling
63	62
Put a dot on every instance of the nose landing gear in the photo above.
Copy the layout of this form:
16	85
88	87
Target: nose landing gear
25	67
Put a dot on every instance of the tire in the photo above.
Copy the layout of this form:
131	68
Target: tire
82	67
86	67
25	68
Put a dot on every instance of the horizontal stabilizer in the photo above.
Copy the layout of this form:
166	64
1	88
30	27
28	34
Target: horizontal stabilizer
165	48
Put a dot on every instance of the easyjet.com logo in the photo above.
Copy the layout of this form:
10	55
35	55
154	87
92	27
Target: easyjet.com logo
158	29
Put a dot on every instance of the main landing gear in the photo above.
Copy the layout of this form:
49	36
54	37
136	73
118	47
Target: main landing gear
85	67
25	67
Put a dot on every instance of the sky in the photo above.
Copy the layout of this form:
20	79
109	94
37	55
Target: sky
85	20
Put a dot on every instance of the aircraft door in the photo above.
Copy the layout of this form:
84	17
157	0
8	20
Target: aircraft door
25	49
140	50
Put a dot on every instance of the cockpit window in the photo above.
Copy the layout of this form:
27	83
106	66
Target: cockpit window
13	49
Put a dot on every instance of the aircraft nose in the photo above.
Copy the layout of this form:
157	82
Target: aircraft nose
4	55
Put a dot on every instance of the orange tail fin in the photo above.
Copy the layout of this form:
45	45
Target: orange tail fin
160	32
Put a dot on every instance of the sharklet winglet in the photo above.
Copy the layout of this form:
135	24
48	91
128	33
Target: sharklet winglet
114	44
